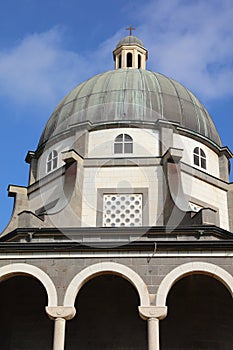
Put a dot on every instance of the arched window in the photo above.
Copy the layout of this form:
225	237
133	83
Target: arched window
139	61
129	59
119	61
123	144
52	161
199	157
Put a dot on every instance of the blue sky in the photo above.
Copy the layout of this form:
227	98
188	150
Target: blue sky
47	47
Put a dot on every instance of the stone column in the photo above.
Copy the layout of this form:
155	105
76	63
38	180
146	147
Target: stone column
59	333
153	314
60	314
123	58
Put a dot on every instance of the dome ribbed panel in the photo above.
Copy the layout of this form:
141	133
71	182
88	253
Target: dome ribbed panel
130	95
213	134
170	100
156	95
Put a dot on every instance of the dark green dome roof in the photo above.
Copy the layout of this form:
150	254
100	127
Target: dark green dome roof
130	40
132	96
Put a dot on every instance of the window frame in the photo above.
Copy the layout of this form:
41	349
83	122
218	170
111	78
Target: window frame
199	158
123	144
52	161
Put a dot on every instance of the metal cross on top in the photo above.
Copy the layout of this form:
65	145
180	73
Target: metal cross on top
130	29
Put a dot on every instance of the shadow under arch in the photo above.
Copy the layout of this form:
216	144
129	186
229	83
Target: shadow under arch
192	268
33	271
106	268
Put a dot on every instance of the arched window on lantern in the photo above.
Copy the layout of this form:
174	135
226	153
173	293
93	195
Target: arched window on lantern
129	60
139	61
119	61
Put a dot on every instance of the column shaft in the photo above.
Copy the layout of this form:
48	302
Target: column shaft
153	333
59	334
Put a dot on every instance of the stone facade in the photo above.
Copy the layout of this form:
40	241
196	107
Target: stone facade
123	237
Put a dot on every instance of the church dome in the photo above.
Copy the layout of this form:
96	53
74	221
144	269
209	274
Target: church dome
130	40
130	97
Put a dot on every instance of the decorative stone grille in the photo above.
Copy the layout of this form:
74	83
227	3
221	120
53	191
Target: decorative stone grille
121	210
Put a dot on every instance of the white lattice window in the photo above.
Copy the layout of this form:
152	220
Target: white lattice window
122	210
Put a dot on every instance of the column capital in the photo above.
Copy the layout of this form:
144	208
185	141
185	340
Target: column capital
147	312
66	312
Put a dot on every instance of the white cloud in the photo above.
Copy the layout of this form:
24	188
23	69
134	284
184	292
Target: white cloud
38	69
192	42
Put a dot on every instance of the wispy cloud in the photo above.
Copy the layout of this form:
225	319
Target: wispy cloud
38	69
191	41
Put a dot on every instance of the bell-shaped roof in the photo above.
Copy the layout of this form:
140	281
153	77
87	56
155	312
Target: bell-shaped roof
132	96
130	40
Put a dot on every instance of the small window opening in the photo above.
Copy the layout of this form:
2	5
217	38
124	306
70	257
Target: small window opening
129	59
139	61
123	144
52	161
199	157
120	61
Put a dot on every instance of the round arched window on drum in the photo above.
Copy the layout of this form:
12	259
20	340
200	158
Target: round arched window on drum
123	144
199	157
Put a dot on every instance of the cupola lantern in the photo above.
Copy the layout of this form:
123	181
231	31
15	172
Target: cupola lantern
130	52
